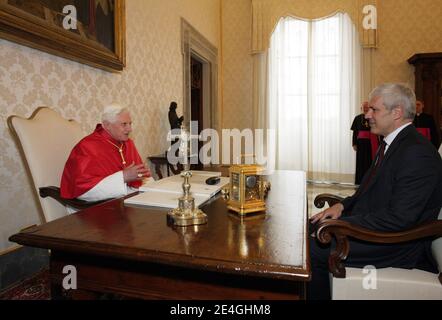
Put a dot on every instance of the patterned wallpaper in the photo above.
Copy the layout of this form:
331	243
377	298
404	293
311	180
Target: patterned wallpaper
153	77
406	27
237	64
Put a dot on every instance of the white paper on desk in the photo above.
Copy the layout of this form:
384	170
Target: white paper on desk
162	199
206	173
198	184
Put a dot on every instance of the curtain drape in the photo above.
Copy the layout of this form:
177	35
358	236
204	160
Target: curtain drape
266	14
310	95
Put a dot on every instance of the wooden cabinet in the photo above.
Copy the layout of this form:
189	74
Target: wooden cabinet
428	73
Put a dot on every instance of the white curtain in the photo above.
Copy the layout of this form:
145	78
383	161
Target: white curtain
313	95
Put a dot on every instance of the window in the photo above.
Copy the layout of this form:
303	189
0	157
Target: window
314	95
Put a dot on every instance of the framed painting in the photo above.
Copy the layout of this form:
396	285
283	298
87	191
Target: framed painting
87	31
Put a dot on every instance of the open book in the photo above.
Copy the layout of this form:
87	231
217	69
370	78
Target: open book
166	192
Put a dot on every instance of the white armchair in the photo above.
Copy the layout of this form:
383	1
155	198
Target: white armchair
45	141
391	283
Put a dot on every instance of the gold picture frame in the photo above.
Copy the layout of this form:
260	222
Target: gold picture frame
39	24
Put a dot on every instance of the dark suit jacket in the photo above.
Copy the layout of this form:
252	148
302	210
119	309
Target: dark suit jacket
406	191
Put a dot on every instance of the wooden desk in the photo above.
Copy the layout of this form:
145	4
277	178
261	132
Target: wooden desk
133	252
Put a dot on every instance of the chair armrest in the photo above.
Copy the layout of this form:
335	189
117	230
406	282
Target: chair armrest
341	230
54	192
322	198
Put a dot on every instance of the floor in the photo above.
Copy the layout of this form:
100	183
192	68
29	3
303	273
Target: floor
37	287
313	189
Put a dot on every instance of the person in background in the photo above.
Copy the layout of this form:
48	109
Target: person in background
106	163
425	124
364	143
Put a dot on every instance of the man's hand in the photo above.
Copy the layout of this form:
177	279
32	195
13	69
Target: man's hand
135	172
333	212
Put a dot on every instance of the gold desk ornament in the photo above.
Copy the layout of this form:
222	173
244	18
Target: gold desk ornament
186	214
247	189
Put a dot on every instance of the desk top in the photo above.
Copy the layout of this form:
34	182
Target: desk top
273	245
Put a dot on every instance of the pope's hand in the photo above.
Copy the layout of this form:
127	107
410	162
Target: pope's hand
135	172
333	212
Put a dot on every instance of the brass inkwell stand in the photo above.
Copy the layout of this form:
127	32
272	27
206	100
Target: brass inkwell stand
186	214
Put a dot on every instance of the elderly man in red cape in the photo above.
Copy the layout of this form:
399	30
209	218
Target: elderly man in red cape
105	164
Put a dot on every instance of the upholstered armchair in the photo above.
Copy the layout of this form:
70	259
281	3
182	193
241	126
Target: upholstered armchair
45	141
392	283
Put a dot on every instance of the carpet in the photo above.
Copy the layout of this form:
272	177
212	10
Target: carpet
35	288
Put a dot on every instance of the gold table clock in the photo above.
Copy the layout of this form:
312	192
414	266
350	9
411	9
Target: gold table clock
247	189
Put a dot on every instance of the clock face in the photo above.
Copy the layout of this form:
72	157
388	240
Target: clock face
251	181
252	190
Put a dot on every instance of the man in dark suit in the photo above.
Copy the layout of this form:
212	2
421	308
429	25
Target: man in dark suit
402	188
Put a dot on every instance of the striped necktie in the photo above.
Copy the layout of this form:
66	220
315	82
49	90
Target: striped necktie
378	160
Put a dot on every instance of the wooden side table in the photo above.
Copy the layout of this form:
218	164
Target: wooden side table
161	160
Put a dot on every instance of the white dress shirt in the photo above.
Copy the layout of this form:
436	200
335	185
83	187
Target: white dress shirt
389	139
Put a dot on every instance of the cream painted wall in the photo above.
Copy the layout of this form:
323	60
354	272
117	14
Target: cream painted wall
406	27
237	64
153	77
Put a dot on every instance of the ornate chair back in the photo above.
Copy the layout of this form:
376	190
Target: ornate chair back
45	141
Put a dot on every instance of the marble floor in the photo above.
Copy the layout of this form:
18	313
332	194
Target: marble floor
313	189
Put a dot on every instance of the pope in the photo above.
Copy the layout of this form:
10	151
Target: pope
106	163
